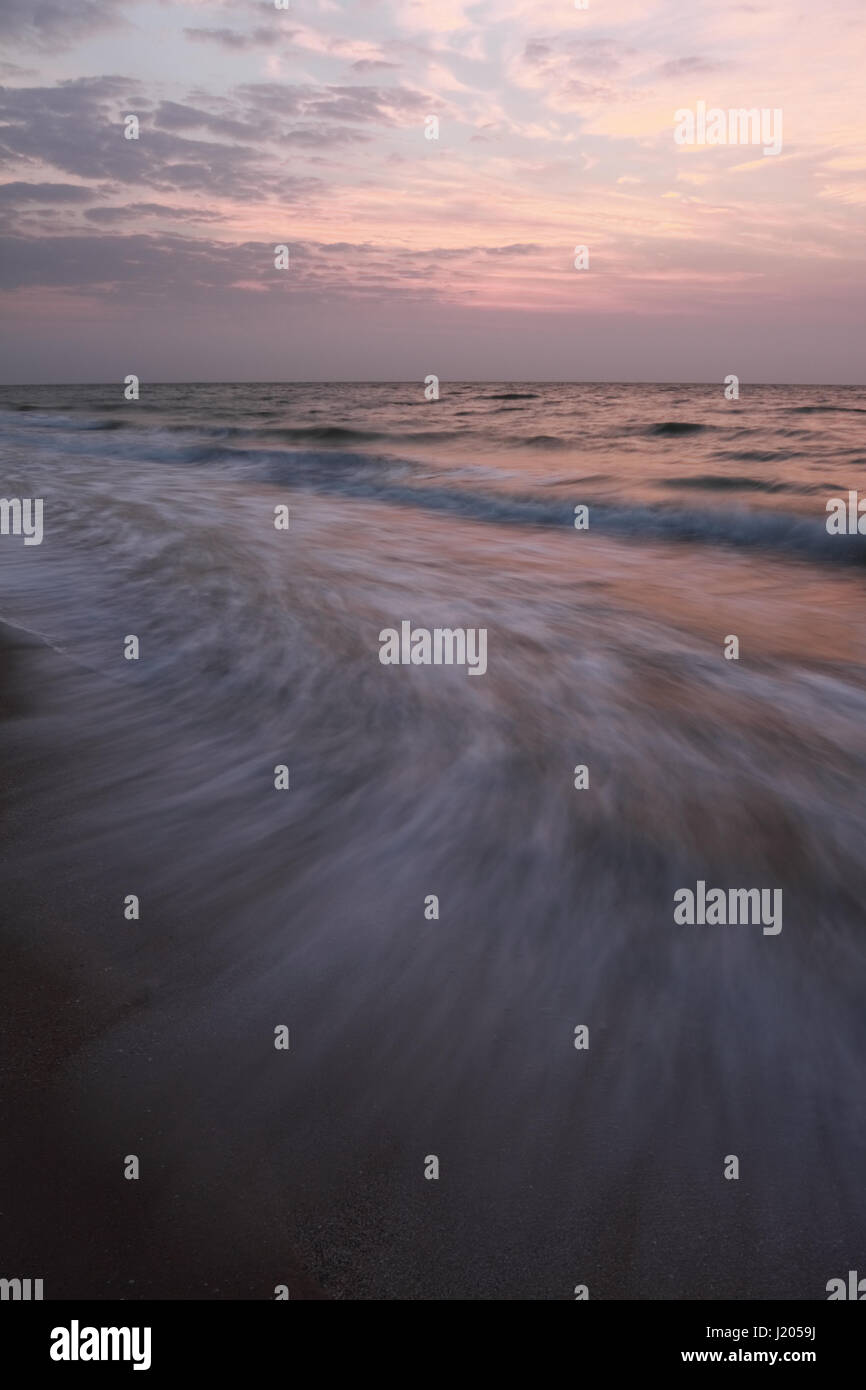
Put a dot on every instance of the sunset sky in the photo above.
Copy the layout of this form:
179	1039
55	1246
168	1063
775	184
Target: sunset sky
410	255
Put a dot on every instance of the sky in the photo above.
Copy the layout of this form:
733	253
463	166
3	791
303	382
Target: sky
309	128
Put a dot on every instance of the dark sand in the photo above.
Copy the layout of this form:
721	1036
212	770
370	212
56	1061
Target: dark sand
67	1215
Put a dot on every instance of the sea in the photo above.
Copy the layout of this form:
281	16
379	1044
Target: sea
256	540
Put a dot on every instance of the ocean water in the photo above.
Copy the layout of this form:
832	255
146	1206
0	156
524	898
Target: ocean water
452	1037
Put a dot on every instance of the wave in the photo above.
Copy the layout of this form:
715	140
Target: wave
824	409
541	441
667	427
397	480
791	535
323	434
721	482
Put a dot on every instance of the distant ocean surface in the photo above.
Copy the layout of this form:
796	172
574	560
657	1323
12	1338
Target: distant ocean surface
673	462
306	908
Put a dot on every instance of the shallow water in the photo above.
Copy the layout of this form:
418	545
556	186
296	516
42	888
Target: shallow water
452	1037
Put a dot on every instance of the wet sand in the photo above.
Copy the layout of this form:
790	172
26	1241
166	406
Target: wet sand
68	1215
408	1039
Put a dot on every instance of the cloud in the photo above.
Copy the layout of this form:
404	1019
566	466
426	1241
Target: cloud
49	24
336	102
132	212
17	192
77	127
371	64
174	268
234	38
688	67
175	115
556	129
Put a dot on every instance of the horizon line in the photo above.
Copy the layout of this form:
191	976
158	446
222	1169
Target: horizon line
414	381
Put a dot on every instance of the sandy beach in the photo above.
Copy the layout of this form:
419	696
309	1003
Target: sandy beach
66	991
414	1036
